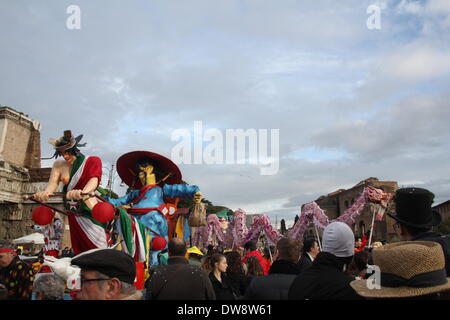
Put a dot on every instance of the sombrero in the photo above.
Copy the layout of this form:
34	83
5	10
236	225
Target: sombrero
127	171
408	269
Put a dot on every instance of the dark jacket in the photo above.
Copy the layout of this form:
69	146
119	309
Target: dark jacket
179	281
274	286
238	281
444	241
223	290
305	262
325	280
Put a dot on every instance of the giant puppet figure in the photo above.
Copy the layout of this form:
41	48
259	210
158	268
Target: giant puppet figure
153	178
80	175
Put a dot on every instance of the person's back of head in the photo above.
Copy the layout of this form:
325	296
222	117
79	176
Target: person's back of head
338	239
308	244
177	248
250	246
254	268
235	264
287	249
49	286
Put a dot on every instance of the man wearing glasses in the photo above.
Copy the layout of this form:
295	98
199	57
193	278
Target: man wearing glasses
415	219
107	274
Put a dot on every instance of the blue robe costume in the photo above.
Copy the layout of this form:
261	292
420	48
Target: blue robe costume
152	199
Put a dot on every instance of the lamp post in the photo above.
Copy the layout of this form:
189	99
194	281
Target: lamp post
112	176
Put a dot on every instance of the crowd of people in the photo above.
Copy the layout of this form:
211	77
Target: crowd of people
336	267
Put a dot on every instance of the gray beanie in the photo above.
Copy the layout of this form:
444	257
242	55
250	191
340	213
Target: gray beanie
339	240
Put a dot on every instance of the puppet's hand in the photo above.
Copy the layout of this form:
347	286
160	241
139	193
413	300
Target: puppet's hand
42	196
74	194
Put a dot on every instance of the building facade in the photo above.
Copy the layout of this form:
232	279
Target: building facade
336	203
444	210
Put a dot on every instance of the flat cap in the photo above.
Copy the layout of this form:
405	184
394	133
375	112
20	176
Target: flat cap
113	263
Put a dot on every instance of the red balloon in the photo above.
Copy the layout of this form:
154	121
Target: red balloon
103	212
42	215
158	243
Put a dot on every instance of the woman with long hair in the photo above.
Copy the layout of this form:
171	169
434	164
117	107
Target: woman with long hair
254	269
236	273
222	288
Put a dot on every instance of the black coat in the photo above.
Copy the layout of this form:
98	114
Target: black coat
444	241
274	286
305	262
325	280
223	290
179	281
238	281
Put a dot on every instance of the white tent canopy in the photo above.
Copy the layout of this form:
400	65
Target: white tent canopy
34	238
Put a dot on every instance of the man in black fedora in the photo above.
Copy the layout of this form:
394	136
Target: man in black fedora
415	219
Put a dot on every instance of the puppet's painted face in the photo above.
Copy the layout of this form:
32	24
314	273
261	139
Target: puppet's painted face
146	175
70	158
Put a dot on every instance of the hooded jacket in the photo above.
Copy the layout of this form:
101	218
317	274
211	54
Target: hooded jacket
325	280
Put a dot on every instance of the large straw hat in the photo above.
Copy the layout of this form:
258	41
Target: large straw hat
408	269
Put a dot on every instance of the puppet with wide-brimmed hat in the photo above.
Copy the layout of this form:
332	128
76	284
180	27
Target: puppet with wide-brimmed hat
153	179
129	166
80	175
67	143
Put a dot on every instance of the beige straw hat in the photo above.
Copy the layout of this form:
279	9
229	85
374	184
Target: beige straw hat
408	269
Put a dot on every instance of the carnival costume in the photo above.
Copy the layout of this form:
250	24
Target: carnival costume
149	203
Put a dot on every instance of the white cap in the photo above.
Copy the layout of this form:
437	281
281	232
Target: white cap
339	240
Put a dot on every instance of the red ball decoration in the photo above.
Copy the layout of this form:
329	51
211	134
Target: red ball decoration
158	243
42	215
103	212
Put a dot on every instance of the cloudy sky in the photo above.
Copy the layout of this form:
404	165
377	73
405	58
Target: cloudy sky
350	102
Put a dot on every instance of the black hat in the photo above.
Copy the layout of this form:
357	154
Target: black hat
413	207
113	263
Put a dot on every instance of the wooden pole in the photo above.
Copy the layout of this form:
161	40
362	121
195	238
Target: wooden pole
318	239
371	228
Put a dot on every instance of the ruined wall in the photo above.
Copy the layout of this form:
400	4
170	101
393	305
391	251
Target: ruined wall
19	139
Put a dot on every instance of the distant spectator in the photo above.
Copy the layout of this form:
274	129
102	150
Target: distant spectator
194	256
49	286
179	280
250	250
409	270
282	273
219	280
358	266
325	279
309	253
67	253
